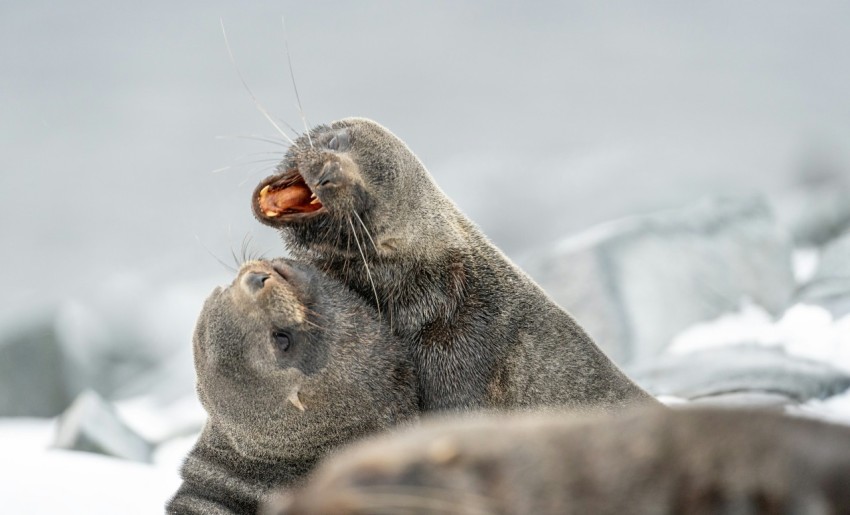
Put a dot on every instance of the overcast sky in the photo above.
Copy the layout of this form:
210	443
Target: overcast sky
538	119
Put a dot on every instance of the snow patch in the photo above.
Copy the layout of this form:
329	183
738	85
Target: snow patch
38	480
804	331
834	409
805	262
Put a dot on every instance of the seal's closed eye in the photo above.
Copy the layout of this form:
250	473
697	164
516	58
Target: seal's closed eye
340	141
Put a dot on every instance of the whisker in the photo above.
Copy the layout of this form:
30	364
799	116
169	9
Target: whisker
222	263
235	258
247	163
246	242
366	264
346	258
315	313
255	138
251	175
314	324
367	231
248	89
292	76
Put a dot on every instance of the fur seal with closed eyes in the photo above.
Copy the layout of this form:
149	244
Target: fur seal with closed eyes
353	199
290	365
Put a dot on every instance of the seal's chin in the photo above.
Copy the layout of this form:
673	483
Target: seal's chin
286	196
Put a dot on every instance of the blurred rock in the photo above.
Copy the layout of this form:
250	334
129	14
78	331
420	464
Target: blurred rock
32	373
830	285
820	206
635	283
92	425
127	337
156	421
741	374
126	331
823	218
168	381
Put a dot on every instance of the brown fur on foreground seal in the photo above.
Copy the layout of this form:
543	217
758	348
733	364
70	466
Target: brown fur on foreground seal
648	462
355	201
290	365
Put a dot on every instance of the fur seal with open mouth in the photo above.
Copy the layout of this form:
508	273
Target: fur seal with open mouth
643	462
354	200
290	365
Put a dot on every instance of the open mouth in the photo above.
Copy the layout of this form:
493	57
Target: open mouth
288	195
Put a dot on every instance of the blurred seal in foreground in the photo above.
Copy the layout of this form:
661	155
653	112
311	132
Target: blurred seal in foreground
355	201
695	461
290	365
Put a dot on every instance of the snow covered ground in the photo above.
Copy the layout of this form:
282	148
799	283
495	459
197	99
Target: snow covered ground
804	331
35	479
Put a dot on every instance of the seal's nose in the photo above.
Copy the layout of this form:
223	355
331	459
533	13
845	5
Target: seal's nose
254	281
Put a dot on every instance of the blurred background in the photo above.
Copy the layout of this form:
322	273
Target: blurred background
675	174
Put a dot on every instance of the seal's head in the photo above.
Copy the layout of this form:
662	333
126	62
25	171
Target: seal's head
289	361
354	179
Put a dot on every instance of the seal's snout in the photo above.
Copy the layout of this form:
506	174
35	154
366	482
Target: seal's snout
257	276
254	277
329	175
254	281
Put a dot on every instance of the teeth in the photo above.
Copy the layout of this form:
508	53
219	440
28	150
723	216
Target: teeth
269	213
264	191
312	196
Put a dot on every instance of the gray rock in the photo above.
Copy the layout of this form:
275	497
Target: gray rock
32	372
170	380
823	219
92	425
128	336
830	286
125	331
819	208
740	374
636	283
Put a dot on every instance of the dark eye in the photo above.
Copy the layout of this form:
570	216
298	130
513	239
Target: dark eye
281	340
333	144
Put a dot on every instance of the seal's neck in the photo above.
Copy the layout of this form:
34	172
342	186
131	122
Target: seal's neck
215	474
